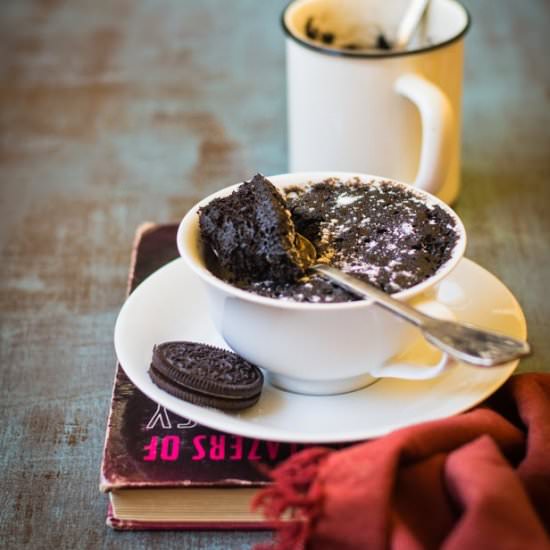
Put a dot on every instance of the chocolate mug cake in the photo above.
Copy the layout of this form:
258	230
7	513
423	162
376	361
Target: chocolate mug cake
317	339
381	232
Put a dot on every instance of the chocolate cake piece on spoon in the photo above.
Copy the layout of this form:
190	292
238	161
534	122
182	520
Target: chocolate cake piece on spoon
251	234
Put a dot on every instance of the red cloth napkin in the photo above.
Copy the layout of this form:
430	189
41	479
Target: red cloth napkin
478	480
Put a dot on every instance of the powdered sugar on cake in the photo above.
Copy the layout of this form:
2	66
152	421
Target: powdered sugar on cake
380	232
379	246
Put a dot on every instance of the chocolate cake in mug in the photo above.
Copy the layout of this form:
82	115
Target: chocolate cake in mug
382	232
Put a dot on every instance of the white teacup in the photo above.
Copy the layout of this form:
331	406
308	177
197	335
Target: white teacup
396	113
317	348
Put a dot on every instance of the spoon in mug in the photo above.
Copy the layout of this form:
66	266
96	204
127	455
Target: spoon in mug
406	29
408	24
462	341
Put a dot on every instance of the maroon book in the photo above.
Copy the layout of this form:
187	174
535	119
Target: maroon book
163	471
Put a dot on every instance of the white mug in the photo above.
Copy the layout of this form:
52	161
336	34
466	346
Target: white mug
320	348
393	113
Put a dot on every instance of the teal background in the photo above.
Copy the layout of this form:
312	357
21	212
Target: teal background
113	113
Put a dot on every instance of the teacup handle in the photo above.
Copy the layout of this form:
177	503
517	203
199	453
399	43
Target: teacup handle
397	368
437	117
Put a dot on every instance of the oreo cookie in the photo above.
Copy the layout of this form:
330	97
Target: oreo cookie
206	375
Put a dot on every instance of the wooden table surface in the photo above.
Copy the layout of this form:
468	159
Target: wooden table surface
117	112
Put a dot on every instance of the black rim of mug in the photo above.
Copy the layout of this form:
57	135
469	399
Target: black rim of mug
381	54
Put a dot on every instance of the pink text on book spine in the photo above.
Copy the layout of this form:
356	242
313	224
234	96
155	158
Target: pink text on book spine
169	448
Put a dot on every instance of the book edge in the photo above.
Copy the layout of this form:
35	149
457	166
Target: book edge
131	525
104	484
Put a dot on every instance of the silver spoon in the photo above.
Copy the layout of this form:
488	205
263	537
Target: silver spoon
408	24
462	341
407	27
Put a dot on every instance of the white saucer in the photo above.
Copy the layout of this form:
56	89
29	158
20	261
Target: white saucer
171	305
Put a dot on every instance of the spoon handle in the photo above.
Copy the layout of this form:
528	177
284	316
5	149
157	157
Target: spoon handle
369	291
462	341
409	23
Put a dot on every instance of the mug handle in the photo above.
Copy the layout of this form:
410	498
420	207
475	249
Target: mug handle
400	367
437	117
